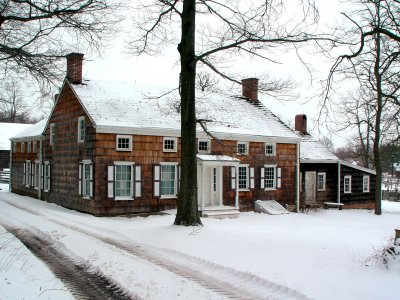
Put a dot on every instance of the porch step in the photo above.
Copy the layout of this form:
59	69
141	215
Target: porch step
221	214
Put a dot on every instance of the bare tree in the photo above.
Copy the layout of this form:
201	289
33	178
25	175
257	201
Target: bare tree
12	105
356	112
206	82
210	33
327	142
374	63
36	35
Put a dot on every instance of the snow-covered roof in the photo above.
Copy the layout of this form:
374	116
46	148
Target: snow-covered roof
355	166
7	130
32	131
115	106
312	150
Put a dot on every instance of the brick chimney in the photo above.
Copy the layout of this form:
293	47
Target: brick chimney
300	123
250	88
74	67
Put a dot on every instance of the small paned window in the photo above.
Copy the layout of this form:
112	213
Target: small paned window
243	148
81	129
124	143
85	184
46	181
124	181
243	176
34	144
29	147
22	147
14	147
204	146
170	144
347	184
168	182
321	177
52	134
366	184
270	182
36	174
28	173
269	149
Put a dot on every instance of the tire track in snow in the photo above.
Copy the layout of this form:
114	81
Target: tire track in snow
225	281
82	281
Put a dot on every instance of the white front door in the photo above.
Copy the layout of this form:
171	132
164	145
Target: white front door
210	185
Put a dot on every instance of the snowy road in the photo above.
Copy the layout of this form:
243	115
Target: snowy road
142	271
83	282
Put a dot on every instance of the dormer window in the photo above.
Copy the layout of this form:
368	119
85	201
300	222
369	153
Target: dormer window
243	148
170	144
124	143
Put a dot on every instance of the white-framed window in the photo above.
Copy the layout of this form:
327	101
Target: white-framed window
243	148
81	129
123	180
34	146
321	181
14	145
366	184
27	168
36	175
22	147
86	178
28	173
124	143
170	144
243	177
204	146
46	176
347	184
29	147
52	133
270	149
270	176
168	180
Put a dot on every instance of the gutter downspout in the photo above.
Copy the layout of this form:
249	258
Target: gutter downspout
297	185
339	175
237	189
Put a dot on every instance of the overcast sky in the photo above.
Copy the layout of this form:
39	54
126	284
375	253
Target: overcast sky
163	70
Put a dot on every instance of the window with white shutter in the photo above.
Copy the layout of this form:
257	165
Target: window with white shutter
85	184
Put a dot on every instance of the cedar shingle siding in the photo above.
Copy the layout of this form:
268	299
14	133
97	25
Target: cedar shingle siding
68	157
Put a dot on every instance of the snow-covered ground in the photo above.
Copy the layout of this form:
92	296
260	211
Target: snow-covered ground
319	255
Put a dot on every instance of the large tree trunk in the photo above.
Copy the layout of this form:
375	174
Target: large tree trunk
377	141
188	213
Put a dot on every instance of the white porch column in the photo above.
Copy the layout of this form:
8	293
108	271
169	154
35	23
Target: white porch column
237	188
220	186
